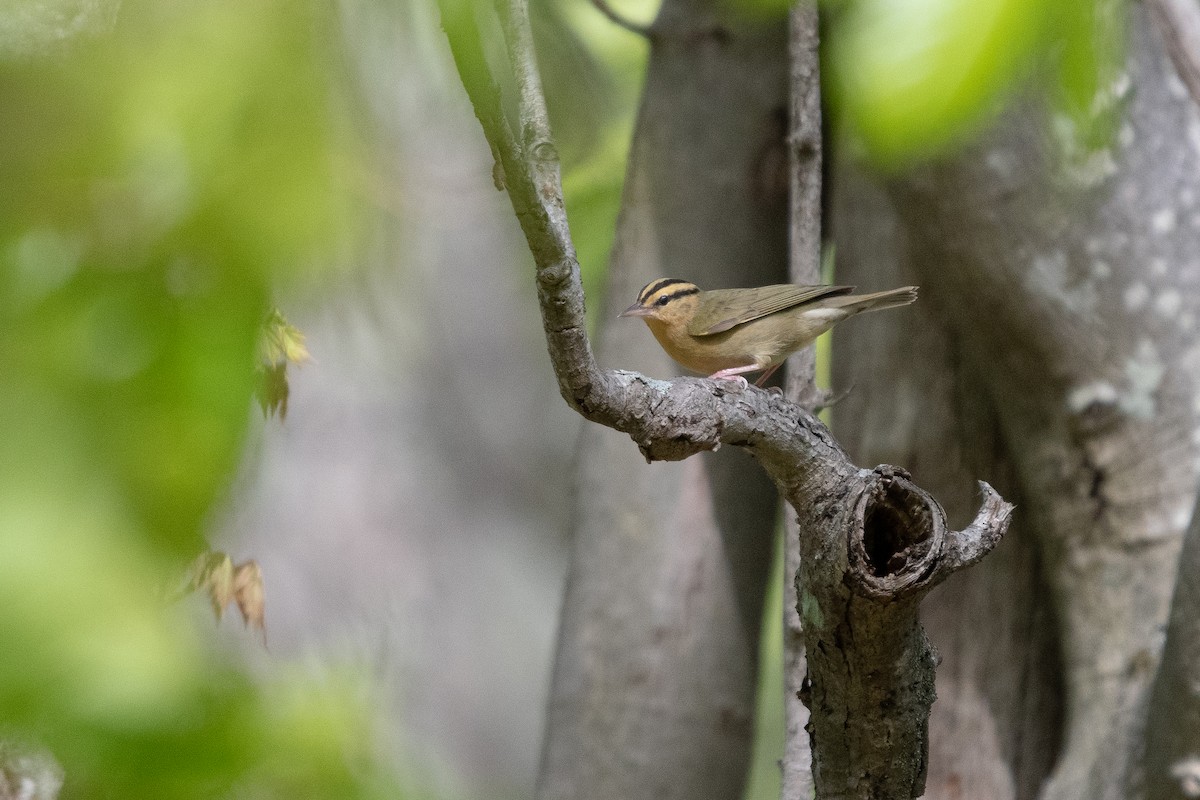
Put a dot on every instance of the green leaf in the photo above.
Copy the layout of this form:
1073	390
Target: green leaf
910	77
161	180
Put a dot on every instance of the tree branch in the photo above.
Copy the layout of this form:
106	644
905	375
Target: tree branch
1172	768
1178	22
998	682
611	14
870	663
860	620
805	167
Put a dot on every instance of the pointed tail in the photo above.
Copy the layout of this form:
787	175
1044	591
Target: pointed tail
855	303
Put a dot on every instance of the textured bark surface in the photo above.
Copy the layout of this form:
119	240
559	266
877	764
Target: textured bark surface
1082	263
995	726
804	267
871	667
1173	734
653	692
870	662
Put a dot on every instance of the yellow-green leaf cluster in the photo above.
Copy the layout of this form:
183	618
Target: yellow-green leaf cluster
282	344
162	176
909	78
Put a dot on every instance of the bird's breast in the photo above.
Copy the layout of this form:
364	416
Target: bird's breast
748	343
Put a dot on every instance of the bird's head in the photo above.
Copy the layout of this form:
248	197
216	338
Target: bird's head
667	300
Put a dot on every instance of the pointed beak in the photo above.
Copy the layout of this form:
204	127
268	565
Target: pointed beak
636	310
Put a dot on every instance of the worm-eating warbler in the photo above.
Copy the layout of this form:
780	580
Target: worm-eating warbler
727	332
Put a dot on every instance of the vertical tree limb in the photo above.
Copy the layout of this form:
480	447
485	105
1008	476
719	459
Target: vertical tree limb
1066	253
805	167
654	680
869	661
1172	752
995	728
896	529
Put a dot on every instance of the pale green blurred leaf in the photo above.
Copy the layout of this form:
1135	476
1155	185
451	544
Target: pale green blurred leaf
911	78
282	345
283	342
163	176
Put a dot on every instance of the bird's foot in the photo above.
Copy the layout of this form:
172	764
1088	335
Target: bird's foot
739	383
735	374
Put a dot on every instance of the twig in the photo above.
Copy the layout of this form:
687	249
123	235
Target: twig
804	151
1179	23
462	31
539	182
620	21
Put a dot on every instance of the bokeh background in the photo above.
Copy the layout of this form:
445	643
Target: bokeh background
173	171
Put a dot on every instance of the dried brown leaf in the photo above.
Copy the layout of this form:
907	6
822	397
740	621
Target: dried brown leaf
248	591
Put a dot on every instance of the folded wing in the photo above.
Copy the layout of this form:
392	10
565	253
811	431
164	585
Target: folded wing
727	308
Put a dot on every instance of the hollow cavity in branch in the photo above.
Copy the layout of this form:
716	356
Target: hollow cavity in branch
898	539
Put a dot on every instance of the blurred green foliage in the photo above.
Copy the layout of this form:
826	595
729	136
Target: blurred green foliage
162	175
166	170
910	78
764	778
593	72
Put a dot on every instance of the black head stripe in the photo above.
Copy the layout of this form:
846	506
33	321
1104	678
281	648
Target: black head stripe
680	293
655	287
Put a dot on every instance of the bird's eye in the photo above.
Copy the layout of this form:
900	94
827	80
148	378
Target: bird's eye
662	301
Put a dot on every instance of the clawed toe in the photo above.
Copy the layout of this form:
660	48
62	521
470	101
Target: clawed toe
737	380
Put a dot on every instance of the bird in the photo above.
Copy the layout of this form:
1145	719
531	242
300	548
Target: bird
729	332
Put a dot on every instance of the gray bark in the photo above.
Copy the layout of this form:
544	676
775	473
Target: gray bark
1067	281
1178	23
804	267
1172	750
653	692
870	667
1173	734
870	664
994	728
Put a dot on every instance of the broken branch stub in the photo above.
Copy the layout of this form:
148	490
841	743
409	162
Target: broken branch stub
899	543
871	668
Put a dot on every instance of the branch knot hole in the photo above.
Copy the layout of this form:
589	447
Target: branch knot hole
896	536
895	529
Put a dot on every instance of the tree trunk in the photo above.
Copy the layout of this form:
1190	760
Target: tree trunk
806	164
1065	279
995	725
653	691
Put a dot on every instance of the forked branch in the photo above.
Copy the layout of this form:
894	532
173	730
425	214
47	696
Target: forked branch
873	542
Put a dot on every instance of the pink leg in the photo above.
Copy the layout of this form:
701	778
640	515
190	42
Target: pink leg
766	376
734	374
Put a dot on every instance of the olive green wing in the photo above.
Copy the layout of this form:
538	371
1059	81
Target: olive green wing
722	309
